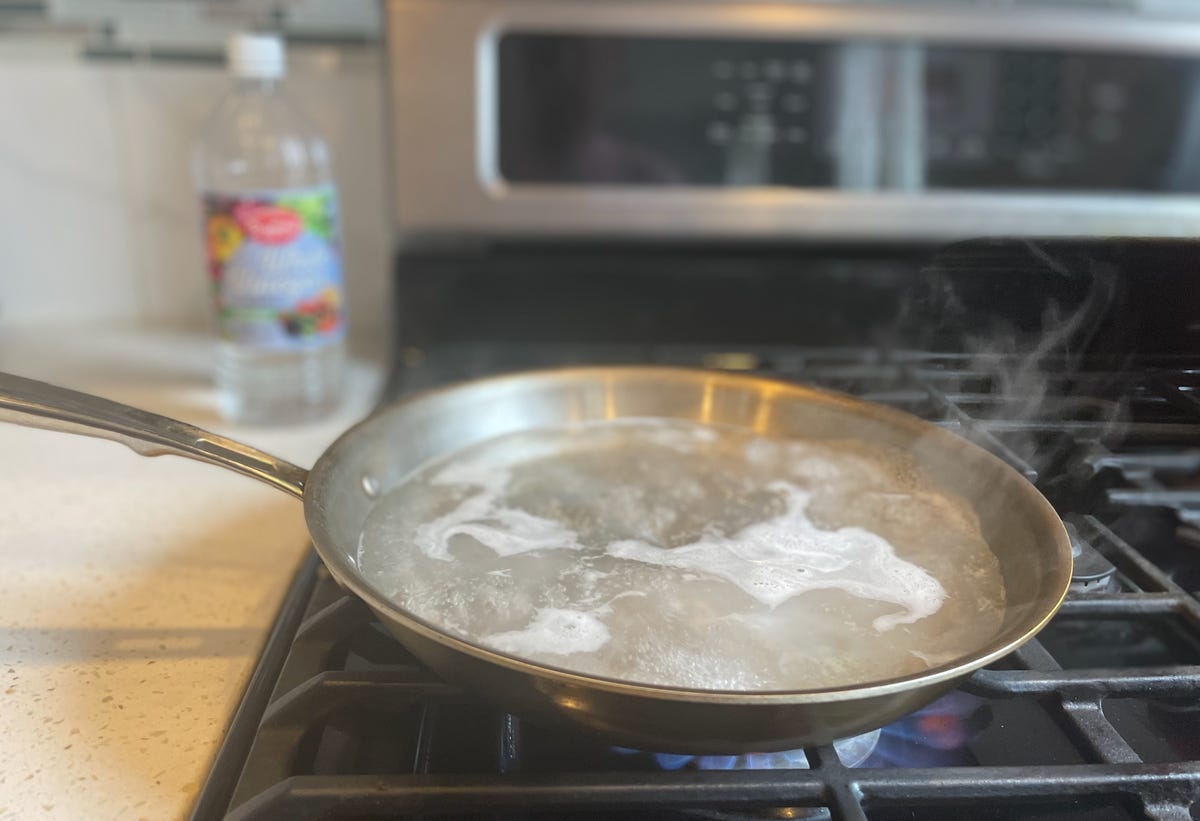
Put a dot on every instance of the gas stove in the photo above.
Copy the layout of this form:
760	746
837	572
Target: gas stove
1096	718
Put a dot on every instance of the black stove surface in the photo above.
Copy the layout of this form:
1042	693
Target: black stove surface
1097	718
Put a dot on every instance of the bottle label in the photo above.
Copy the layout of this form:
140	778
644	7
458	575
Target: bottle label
275	261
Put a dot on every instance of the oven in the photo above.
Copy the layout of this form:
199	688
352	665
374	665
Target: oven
981	217
853	120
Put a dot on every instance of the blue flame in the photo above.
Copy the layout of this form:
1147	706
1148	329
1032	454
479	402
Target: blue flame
932	735
672	762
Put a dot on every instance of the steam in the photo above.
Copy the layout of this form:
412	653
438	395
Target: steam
1019	385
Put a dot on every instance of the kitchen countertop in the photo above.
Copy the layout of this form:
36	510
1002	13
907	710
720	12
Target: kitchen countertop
135	593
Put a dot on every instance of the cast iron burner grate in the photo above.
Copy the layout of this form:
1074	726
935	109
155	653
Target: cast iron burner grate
1098	718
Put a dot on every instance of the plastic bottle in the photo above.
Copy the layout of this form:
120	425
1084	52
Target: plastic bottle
273	245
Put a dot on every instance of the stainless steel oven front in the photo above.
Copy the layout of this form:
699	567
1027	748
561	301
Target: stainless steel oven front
786	120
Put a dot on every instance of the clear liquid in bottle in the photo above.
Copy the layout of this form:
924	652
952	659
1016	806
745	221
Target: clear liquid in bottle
273	247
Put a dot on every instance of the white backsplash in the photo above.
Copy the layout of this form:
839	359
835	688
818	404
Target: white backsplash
99	221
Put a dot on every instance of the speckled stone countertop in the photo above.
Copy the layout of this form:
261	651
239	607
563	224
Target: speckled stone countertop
135	593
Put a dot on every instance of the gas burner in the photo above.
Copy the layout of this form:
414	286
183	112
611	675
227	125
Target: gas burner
936	734
851	751
1091	572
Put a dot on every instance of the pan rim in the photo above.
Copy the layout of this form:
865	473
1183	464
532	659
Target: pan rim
349	576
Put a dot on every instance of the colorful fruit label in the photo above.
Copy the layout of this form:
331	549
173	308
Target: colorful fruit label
276	267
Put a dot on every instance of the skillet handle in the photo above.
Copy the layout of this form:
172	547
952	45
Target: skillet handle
40	405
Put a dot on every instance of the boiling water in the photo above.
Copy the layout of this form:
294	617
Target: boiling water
674	553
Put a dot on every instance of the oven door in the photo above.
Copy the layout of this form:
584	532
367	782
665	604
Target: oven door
759	120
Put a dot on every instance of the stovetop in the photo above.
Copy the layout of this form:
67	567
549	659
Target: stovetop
1096	718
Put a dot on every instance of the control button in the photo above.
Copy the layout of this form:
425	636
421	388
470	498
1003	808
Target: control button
795	135
758	130
972	147
774	70
749	71
1108	96
1038	165
719	133
801	71
725	101
722	70
1104	129
794	103
1065	149
759	95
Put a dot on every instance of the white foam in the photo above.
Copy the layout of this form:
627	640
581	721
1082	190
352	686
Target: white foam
553	631
788	555
506	530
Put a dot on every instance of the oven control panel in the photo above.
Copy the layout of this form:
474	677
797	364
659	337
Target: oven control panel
1009	118
667	111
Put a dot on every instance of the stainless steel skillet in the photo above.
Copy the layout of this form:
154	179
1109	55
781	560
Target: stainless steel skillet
374	456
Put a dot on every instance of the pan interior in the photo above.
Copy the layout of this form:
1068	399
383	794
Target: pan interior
376	456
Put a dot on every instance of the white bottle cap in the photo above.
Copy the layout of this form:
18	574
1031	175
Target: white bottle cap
258	56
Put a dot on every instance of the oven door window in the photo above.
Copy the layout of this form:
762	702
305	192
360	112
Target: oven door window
645	111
